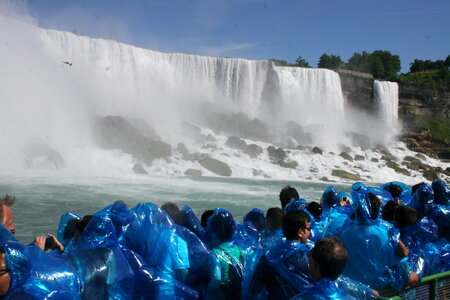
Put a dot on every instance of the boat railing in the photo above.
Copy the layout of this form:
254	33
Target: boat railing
436	286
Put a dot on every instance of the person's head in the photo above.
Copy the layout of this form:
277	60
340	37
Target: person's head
5	277
6	216
274	218
221	225
375	204
416	186
286	194
405	216
81	225
328	259
296	226
315	209
395	190
388	211
256	218
172	210
205	215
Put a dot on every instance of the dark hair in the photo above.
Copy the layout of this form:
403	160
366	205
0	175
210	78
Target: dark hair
8	200
69	231
405	216
286	194
293	221
221	224
331	256
256	217
416	186
388	211
172	210
81	224
274	218
395	190
205	215
374	205
315	209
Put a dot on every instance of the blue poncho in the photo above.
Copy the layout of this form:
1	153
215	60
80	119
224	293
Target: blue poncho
37	274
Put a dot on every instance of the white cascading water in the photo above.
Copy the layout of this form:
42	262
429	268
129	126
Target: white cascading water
56	84
386	98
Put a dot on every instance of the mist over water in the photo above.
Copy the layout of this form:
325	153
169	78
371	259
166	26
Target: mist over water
56	85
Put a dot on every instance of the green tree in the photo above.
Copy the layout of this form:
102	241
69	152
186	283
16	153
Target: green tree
279	62
330	61
359	62
301	62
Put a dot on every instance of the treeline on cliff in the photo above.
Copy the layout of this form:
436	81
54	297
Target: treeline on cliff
384	65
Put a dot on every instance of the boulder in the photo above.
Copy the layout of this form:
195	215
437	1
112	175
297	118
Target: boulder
360	157
296	131
216	166
253	150
114	132
393	165
276	154
373	159
181	148
345	175
193	172
43	156
236	143
346	156
138	169
317	150
430	175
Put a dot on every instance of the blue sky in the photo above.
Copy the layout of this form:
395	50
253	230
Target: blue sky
260	29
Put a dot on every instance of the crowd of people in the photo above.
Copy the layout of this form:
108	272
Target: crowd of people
347	246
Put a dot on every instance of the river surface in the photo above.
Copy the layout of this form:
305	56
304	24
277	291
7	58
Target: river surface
41	198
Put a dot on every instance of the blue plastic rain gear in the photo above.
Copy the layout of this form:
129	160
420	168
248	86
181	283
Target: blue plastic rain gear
372	248
35	274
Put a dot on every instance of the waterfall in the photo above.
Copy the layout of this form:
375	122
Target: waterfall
54	94
386	98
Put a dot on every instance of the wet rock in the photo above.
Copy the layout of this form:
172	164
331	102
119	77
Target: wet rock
393	165
411	159
430	175
236	143
193	172
420	156
359	157
345	175
216	166
373	159
317	150
253	150
389	157
114	132
43	156
138	169
181	148
346	156
276	154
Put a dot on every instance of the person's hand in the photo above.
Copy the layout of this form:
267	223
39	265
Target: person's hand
58	245
402	250
40	242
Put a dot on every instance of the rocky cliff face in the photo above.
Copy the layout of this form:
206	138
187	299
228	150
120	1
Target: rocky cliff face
358	89
421	101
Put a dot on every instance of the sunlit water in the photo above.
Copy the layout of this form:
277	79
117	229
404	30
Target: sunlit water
42	198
